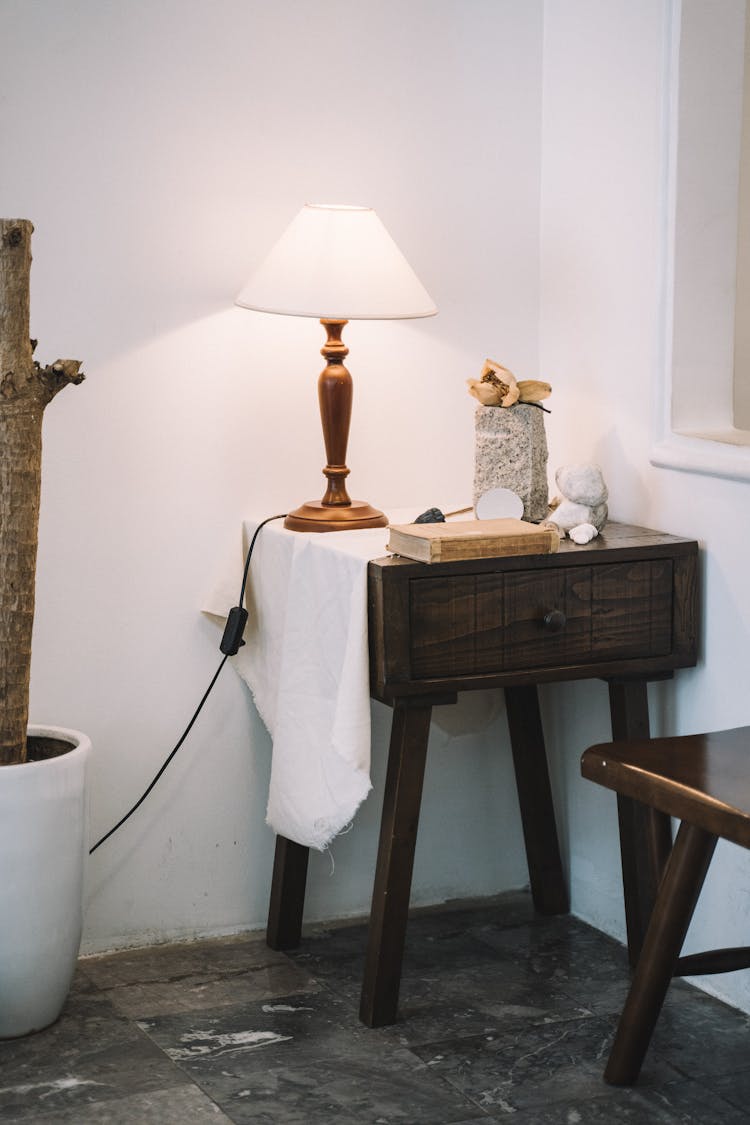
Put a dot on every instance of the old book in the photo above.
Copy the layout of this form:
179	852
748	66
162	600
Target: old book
471	539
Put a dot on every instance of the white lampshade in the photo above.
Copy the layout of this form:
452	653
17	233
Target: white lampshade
337	262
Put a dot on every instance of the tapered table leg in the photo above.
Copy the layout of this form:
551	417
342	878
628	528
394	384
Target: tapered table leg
548	889
284	928
645	833
398	837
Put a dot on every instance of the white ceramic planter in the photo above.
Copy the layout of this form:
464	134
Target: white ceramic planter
43	847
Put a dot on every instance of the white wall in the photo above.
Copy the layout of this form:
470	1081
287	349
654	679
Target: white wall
159	148
601	345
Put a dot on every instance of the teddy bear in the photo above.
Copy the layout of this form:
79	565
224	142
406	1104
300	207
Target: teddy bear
581	508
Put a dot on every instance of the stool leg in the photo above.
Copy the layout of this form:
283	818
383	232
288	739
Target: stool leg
284	928
398	837
675	903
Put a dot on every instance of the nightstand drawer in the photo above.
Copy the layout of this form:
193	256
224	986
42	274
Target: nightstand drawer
622	606
477	624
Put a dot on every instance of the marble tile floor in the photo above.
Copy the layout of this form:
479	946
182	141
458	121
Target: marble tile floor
504	1016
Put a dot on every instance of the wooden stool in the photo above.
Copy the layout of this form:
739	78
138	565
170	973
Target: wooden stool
704	781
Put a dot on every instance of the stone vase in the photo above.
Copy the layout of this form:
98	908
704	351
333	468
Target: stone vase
511	452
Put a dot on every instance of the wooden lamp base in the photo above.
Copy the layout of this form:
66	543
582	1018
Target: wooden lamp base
315	516
335	512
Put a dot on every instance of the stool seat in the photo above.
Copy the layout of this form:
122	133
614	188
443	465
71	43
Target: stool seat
701	778
704	781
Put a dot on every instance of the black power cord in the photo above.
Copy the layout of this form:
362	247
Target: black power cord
231	642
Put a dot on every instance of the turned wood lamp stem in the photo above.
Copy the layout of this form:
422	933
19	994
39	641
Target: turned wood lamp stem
335	398
336	511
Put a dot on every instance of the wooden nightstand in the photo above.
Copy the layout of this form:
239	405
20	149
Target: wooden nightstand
622	608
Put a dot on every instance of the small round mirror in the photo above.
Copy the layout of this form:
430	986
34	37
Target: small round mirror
499	504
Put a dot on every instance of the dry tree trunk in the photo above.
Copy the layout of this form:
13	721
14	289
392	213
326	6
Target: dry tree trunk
25	390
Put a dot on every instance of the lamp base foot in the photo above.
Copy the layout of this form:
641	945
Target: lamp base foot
316	516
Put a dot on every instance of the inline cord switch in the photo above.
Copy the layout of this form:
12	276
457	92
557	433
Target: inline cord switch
231	641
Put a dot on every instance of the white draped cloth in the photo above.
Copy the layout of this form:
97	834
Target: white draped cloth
307	665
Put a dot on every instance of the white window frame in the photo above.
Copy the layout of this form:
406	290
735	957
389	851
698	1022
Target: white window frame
703	127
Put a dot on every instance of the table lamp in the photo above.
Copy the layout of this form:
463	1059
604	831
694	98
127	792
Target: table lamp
336	263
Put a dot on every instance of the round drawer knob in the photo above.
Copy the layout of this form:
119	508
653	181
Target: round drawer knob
555	621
